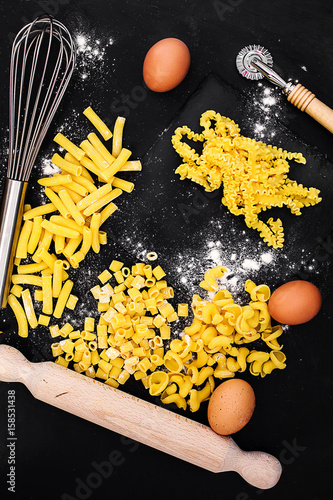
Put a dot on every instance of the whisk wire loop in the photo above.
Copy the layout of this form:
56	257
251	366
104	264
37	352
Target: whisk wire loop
42	62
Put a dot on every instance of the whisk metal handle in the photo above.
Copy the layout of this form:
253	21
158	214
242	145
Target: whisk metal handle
10	223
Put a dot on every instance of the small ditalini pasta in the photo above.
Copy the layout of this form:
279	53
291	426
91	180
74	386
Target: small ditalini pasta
104	276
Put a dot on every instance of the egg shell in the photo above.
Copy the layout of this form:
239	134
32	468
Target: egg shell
231	406
166	64
295	302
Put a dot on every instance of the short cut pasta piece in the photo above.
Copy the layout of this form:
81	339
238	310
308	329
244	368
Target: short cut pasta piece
29	308
69	146
19	313
117	141
62	299
98	123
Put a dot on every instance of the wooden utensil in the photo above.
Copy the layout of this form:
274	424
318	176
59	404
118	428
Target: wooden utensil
255	62
137	419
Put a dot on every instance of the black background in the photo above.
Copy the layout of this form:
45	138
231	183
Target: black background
57	451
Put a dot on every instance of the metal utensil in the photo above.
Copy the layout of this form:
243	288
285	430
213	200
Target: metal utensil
42	62
255	62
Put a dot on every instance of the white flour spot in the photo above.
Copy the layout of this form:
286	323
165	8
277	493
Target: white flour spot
253	265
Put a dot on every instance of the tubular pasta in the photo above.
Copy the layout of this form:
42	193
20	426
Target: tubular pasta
20	316
70	167
98	123
117	140
62	299
41	210
99	146
22	245
69	146
71	207
29	308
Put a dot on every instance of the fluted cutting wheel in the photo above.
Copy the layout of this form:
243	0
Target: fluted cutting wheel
245	57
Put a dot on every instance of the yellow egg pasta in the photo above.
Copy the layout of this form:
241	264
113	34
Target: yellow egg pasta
79	203
254	175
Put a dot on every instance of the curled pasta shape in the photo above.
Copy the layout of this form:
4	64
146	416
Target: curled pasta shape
224	328
197	397
203	374
222	298
244	325
241	358
232	364
209	311
158	381
254	175
279	359
181	347
257	358
174	398
270	337
184	383
194	327
231	313
264	320
208	334
173	361
221	341
209	283
193	373
257	293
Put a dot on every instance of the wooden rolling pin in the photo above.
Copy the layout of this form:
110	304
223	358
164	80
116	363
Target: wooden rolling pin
141	421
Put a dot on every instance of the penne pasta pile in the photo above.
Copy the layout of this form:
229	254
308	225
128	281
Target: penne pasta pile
133	336
81	198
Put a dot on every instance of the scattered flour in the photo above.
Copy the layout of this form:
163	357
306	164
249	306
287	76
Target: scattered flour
251	264
91	54
267	103
48	168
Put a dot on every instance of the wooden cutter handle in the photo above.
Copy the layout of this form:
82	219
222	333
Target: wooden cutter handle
137	419
306	101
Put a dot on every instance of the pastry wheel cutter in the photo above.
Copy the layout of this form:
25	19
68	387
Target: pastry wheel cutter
255	62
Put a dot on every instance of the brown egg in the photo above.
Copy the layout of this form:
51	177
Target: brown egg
166	64
295	302
231	406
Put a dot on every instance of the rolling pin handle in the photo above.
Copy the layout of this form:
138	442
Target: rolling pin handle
14	367
257	468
